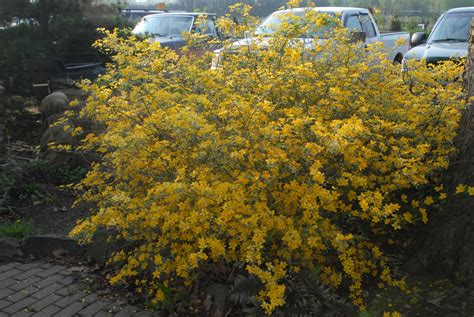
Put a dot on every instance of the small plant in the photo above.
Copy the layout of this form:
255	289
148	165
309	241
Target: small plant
62	174
28	180
415	298
17	230
306	296
367	313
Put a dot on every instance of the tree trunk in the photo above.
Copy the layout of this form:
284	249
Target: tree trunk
43	19
448	242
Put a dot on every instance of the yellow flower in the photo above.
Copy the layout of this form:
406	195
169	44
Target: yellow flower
470	191
460	189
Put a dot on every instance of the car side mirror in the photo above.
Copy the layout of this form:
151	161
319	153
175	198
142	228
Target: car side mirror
358	37
418	38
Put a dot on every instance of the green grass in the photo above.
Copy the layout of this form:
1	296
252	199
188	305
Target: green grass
18	230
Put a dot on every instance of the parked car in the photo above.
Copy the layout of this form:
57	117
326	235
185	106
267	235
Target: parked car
448	40
134	15
55	73
168	28
357	20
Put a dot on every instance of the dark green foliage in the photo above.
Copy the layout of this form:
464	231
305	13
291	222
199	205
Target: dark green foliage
17	230
244	289
48	28
16	44
59	175
396	24
26	180
306	296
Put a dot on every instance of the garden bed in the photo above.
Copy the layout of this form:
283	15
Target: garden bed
34	199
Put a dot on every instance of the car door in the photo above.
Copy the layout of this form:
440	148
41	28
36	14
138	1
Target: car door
369	28
352	23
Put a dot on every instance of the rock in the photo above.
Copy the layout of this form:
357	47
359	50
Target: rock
58	131
51	120
53	103
58	134
9	249
48	245
2	90
104	244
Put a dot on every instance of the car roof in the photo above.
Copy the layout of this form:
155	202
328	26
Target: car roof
194	14
462	10
340	10
142	10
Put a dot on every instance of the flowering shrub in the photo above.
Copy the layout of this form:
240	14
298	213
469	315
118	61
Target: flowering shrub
276	160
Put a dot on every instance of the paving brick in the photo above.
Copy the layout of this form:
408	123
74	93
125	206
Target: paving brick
48	300
4	303
65	272
43	290
89	299
10	273
19	285
145	314
94	308
41	314
18	296
68	290
49	280
48	311
47	291
5	292
8	266
28	273
67	280
64	291
127	311
115	308
23	313
7	283
70	299
19	305
70	310
51	271
27	266
45	266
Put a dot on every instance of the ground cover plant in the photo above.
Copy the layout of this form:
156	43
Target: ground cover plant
17	230
286	157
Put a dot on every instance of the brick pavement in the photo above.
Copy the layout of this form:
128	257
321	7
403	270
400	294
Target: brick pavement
44	289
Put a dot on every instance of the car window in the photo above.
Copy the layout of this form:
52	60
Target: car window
164	25
353	23
453	26
207	27
273	22
367	25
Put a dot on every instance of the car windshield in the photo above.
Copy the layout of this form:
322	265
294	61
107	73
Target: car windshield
173	26
274	21
453	27
134	16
